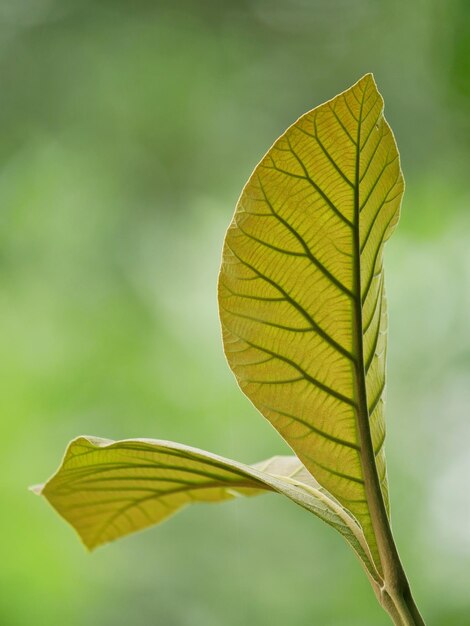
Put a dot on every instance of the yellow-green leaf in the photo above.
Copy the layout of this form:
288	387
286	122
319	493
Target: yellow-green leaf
107	489
301	293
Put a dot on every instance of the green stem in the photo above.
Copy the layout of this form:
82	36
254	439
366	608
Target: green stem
402	609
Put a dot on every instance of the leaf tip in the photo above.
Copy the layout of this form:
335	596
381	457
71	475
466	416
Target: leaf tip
368	82
88	545
36	489
368	78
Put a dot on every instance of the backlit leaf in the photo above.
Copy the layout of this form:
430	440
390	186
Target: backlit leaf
301	293
107	489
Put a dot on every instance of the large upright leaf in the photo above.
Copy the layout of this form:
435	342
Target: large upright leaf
301	293
107	489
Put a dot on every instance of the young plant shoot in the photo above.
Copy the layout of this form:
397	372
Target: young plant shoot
304	321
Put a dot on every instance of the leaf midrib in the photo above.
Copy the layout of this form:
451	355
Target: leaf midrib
374	495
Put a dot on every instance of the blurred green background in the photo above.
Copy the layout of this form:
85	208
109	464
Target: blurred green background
127	132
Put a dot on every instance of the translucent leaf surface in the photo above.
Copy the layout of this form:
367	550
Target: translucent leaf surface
301	292
107	489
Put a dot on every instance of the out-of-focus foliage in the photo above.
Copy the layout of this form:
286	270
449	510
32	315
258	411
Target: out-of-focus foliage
127	129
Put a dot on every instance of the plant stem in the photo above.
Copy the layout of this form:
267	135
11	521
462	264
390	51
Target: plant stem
402	609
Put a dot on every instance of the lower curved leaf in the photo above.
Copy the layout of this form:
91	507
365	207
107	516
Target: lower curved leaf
107	489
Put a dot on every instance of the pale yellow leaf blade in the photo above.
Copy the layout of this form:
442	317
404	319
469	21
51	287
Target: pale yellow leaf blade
301	290
108	489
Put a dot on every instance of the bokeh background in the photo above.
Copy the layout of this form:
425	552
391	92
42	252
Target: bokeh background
127	132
